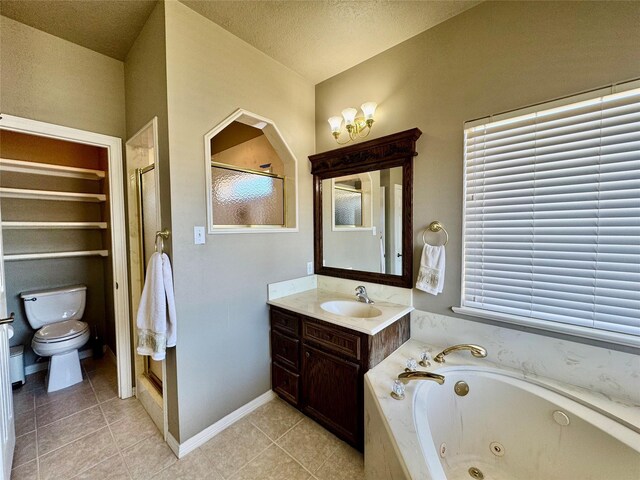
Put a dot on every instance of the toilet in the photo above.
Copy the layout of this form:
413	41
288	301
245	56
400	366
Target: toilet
56	313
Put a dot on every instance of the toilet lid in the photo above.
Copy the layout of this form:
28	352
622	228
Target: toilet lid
61	331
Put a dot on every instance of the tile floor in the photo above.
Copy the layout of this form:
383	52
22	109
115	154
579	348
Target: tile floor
86	432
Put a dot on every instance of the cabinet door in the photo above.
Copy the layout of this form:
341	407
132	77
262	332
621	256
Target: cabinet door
331	392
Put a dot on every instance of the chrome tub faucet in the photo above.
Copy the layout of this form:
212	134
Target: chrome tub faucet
476	350
361	294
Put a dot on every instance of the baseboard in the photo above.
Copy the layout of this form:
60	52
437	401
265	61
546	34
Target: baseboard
38	367
181	449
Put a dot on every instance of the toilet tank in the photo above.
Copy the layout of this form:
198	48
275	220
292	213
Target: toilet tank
54	305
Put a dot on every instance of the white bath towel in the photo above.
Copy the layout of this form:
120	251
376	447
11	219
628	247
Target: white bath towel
432	265
156	320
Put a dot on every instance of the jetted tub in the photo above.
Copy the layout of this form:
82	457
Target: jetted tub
507	427
510	428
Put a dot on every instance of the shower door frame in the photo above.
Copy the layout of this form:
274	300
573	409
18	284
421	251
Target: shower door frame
153	378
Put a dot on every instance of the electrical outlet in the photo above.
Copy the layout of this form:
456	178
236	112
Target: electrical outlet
198	235
309	268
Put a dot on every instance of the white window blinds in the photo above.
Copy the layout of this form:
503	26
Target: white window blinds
552	215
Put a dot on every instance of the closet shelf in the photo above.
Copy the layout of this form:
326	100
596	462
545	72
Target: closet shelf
54	225
21	166
40	256
26	194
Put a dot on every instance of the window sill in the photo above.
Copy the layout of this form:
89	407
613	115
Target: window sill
577	331
256	229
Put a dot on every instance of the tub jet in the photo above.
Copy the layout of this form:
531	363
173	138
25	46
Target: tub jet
476	473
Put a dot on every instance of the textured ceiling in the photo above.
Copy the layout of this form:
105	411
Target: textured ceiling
106	26
321	38
316	38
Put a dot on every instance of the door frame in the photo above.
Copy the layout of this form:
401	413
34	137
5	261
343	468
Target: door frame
118	254
137	367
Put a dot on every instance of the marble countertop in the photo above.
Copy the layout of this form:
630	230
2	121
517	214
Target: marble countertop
308	303
399	415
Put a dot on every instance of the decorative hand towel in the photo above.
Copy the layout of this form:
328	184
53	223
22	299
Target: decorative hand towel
156	320
431	274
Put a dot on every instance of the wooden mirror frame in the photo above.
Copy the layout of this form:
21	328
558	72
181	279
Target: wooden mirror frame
396	150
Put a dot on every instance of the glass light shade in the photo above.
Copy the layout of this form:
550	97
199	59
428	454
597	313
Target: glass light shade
336	123
349	115
369	109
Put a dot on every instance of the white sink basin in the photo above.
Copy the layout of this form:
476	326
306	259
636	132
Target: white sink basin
350	308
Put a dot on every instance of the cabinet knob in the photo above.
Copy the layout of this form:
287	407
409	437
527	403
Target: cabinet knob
307	354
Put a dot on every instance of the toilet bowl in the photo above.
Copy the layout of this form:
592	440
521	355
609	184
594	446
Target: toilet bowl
56	314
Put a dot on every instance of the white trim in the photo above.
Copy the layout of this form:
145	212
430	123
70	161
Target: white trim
118	228
181	449
270	131
565	328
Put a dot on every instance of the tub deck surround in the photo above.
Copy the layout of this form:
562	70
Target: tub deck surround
309	303
396	418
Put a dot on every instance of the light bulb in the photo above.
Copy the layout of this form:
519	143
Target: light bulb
349	115
336	123
369	109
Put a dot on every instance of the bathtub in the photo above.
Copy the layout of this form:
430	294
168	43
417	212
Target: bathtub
507	426
511	428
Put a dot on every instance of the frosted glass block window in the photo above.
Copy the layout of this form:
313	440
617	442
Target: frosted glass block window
245	198
348	207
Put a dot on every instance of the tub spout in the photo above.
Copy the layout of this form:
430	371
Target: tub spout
476	350
407	376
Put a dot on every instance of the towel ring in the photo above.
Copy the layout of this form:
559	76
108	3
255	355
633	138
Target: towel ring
436	227
162	234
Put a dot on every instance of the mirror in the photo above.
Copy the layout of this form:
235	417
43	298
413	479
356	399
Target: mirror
366	232
363	210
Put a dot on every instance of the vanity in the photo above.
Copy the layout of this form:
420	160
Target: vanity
323	340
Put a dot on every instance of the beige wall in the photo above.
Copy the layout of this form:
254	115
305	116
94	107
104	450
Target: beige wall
45	78
222	355
494	57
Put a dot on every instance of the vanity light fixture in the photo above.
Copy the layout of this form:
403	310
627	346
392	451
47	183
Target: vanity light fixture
357	126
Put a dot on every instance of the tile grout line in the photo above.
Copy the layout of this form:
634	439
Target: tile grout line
119	453
291	454
208	460
329	457
281	447
35	426
250	460
297	461
279	437
75	440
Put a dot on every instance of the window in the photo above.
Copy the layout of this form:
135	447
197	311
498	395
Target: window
552	217
252	177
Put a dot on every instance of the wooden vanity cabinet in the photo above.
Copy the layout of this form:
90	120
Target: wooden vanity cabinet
319	368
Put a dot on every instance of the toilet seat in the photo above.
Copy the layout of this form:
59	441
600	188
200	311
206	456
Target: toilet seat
61	331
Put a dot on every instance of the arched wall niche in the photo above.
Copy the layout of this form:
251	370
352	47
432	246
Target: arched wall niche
252	177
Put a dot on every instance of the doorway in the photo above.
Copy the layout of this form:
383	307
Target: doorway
64	223
144	221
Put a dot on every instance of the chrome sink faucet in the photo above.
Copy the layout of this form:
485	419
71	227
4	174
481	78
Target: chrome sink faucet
361	294
476	350
405	377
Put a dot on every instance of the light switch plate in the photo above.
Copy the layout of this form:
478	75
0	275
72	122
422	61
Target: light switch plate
198	235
